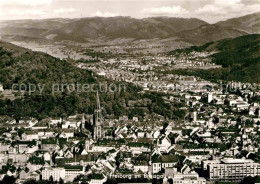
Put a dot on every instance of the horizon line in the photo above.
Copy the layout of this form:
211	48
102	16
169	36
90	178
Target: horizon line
127	17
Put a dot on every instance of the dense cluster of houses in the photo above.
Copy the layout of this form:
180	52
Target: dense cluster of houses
150	73
214	136
218	140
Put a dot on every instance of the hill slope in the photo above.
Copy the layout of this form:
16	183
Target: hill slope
249	23
20	65
240	58
208	33
231	28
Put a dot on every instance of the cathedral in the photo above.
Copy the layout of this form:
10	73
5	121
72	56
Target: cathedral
98	121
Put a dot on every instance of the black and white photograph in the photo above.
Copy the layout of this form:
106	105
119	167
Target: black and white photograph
129	91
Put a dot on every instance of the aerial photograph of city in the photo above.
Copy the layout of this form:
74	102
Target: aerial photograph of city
130	91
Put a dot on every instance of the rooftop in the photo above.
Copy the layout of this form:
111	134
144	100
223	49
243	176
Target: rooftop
236	161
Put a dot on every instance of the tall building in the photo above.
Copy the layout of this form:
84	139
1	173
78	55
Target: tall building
67	173
232	169
98	121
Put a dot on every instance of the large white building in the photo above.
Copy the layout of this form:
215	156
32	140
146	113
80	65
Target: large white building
72	171
67	173
232	169
190	178
56	173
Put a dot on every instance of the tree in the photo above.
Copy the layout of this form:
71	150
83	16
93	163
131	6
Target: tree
61	181
8	180
26	169
30	181
170	181
248	180
51	179
223	147
78	178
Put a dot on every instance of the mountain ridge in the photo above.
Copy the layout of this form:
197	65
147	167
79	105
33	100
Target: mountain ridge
191	30
241	23
124	27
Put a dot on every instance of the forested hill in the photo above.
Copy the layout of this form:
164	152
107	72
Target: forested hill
240	58
23	66
20	65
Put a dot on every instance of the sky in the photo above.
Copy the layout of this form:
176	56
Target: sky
208	10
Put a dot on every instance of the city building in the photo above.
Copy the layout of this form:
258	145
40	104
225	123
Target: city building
56	173
190	178
232	169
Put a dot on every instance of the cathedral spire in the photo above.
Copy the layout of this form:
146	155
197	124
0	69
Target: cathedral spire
98	102
98	122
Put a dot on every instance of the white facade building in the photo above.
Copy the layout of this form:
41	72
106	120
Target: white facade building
232	169
190	178
56	173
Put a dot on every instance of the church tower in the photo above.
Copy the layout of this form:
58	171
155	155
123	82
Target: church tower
83	122
98	122
87	145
